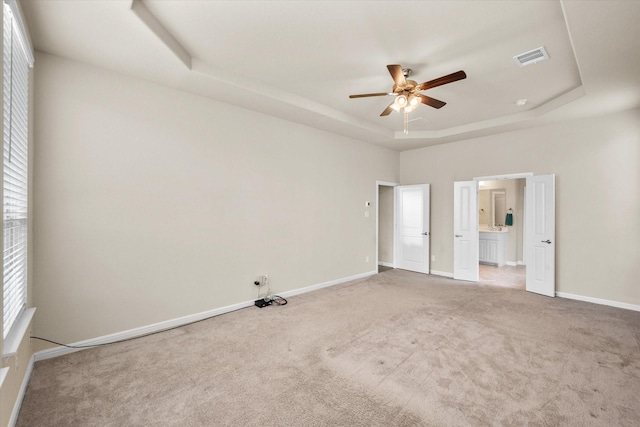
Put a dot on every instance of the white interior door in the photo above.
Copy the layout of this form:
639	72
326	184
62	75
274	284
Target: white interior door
465	231
412	228
540	247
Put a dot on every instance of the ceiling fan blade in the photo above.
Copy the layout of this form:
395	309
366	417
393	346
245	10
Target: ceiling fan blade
387	111
364	95
450	78
398	76
432	102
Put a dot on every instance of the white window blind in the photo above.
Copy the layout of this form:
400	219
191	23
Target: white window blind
15	179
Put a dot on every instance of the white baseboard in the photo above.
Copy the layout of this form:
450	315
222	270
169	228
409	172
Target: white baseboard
600	301
157	327
385	264
23	390
326	284
143	330
511	263
442	273
521	263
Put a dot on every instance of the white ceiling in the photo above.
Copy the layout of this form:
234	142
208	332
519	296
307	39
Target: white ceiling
299	60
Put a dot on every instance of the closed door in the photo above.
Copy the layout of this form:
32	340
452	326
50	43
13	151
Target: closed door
412	228
541	229
465	231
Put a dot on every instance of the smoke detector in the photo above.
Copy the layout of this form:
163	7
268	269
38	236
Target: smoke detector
531	57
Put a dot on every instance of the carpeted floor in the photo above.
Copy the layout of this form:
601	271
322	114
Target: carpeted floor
396	349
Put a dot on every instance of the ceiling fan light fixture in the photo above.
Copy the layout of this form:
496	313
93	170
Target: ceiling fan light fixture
407	92
409	109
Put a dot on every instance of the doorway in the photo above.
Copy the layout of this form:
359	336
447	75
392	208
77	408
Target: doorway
385	220
538	236
402	226
501	232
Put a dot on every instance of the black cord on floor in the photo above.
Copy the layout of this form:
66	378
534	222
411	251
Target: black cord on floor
276	299
125	339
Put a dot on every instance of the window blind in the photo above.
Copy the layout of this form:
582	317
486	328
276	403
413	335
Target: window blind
15	173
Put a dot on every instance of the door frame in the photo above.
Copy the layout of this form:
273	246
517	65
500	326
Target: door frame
526	218
522	175
378	185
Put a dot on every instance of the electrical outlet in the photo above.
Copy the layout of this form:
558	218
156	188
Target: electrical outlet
265	279
433	257
366	259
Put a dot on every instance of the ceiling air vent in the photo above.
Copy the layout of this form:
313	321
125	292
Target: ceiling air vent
531	57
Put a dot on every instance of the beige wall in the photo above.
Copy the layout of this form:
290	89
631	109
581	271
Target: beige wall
596	162
484	207
152	204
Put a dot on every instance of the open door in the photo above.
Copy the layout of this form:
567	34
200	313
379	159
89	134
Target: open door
412	228
540	250
465	231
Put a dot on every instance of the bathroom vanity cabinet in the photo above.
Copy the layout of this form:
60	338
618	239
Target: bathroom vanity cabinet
493	247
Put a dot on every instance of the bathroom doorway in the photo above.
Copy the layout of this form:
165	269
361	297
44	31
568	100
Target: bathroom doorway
385	229
501	210
538	234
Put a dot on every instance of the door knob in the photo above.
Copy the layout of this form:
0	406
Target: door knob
547	241
426	233
458	235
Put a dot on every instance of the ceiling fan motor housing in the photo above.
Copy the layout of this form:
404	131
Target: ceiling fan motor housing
409	87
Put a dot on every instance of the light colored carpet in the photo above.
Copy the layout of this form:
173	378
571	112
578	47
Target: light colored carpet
396	349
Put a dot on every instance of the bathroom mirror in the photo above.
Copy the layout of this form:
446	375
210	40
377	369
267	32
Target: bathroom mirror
498	207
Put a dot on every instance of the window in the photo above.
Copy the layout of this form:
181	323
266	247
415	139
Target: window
16	62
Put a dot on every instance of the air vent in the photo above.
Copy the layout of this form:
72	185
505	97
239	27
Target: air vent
531	57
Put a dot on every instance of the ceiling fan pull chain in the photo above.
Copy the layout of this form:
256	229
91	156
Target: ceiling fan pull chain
406	123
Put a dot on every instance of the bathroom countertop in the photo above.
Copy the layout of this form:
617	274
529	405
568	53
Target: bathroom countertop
486	230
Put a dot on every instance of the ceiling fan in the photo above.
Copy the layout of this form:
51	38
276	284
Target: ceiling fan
407	92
